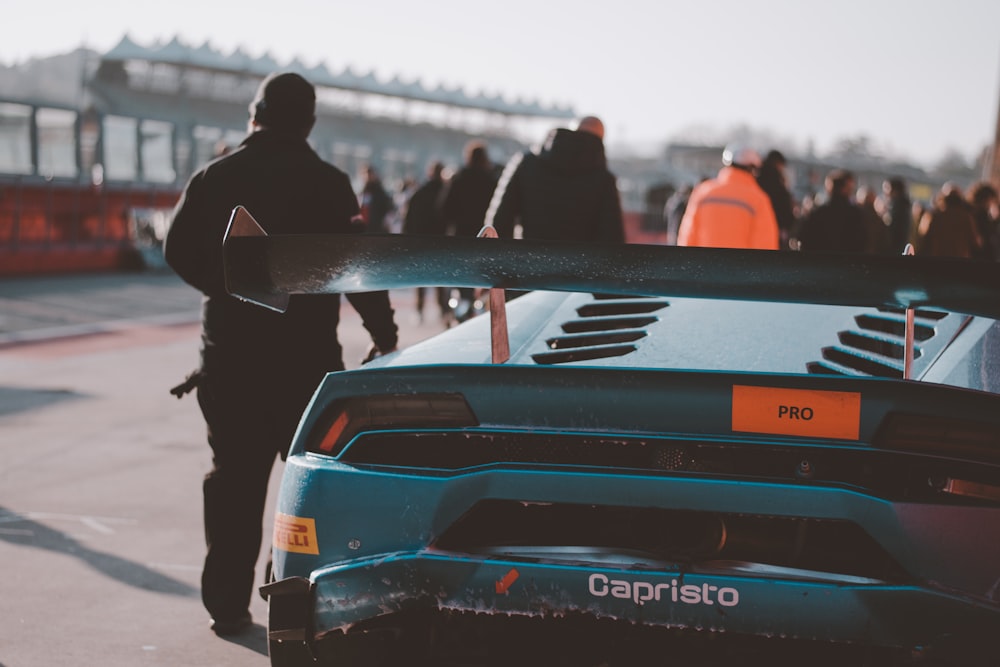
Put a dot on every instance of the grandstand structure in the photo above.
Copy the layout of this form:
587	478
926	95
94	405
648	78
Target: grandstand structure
397	125
87	175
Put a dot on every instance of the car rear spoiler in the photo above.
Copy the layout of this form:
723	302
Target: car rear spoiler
267	269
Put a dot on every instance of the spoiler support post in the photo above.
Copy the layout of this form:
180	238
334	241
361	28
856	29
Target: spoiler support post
909	334
499	338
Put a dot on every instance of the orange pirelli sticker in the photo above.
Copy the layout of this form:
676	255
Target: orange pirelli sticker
806	412
295	534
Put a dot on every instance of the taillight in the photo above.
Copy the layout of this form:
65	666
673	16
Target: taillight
951	438
347	417
968	489
940	436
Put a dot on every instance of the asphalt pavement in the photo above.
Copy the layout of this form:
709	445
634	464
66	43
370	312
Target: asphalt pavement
100	473
38	308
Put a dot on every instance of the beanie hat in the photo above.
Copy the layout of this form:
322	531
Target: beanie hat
284	101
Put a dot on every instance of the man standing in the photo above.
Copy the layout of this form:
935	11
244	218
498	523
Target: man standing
467	194
773	180
259	368
949	229
731	210
563	192
466	198
376	202
899	214
423	216
838	224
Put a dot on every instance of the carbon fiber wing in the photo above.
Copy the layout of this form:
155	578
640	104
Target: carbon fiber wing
267	269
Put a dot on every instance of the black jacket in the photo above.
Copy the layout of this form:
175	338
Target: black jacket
467	198
563	192
281	181
836	226
771	181
423	212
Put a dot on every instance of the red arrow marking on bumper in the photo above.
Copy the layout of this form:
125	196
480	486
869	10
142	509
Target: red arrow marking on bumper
507	580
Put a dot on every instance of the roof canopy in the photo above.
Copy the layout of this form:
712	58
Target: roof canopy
205	56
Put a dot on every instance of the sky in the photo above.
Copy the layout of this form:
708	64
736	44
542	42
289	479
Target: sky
919	78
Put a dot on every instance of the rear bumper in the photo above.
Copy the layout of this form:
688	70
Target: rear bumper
722	597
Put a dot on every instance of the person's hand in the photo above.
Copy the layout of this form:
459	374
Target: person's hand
374	353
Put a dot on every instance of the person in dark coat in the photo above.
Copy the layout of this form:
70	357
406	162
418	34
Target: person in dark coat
837	225
423	216
376	202
878	242
984	200
949	229
772	180
259	368
469	191
562	192
898	214
467	196
423	210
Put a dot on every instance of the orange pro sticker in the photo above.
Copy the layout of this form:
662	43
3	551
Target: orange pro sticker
806	412
295	534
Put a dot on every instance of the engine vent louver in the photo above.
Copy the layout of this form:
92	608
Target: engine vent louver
607	327
877	346
610	308
595	339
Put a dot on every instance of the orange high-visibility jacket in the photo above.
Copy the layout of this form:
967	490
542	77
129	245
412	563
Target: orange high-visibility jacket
730	211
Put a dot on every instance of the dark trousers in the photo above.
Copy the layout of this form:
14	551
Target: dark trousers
235	493
245	437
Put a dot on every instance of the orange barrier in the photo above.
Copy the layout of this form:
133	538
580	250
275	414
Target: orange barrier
50	227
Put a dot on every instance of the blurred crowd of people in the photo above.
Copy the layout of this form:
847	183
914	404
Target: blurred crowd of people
560	190
449	201
748	204
563	190
727	211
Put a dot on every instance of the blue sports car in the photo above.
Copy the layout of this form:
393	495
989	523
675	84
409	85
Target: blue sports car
652	455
